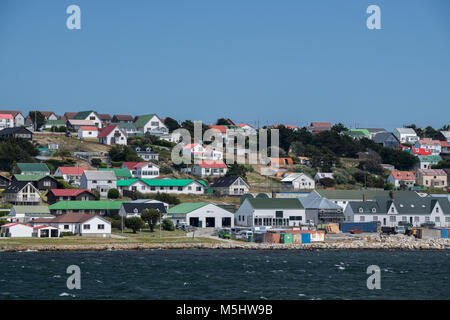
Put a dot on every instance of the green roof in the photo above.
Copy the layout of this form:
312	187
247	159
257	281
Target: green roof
160	182
429	158
184	208
27	167
127	125
358	194
83	114
54	123
143	120
275	203
29	177
363	131
87	205
44	210
120	173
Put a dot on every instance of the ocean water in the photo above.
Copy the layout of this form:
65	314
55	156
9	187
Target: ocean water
225	274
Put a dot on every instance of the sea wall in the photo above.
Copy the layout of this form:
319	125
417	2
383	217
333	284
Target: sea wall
371	242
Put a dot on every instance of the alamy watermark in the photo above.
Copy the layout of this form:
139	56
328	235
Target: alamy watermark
374	280
374	20
74	20
74	280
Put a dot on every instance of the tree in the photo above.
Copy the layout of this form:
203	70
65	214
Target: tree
171	124
443	164
327	182
239	170
37	118
15	150
167	225
123	153
339	127
151	217
113	193
134	223
224	122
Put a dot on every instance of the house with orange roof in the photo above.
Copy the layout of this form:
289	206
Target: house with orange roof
87	132
206	168
317	127
402	178
111	135
70	174
142	170
280	162
248	129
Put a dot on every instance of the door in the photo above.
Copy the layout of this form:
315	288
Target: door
210	222
226	222
411	220
384	221
193	222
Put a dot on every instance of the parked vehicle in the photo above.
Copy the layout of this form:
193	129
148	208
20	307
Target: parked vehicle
388	230
181	225
245	234
400	230
225	233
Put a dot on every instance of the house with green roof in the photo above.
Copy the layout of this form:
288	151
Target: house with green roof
31	168
425	162
201	215
358	133
270	212
150	124
40	181
121	173
28	213
176	186
53	123
89	115
100	207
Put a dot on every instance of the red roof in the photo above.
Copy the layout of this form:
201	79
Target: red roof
132	165
44	226
444	144
244	124
14	224
68	192
321	124
6	116
403	175
73	170
89	128
421	151
220	128
211	164
107	130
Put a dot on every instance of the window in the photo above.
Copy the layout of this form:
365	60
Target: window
199	188
361	210
295	218
392	209
375	218
47	184
362	218
374	210
447	219
437	219
392	218
427	219
66	227
404	219
279	214
416	219
86	226
437	209
101	227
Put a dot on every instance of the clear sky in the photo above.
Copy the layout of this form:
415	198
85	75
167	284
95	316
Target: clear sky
283	61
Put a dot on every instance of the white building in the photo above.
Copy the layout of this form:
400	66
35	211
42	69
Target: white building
71	174
111	135
78	223
270	212
230	186
201	215
6	121
402	178
28	213
101	181
172	186
87	132
90	116
18	118
205	168
429	145
298	181
16	230
142	170
150	123
406	135
199	152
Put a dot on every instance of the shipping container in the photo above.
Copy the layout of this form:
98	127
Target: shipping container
425	233
258	237
364	226
444	233
306	237
272	237
286	238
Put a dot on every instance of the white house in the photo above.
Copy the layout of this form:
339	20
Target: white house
146	153
201	215
26	213
101	181
150	123
87	132
134	209
390	210
18	118
321	175
6	121
428	144
298	181
79	223
205	168
71	174
16	230
199	152
405	135
76	124
175	186
270	212
142	170
230	186
112	134
89	115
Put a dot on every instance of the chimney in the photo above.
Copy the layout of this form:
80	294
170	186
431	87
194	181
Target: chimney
391	194
364	197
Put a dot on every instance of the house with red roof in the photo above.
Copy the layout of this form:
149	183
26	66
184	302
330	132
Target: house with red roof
70	174
19	119
6	121
199	152
111	135
142	170
420	152
122	118
206	168
317	127
248	129
21	230
87	132
55	195
402	178
428	144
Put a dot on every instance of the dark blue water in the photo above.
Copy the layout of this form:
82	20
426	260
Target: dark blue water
225	274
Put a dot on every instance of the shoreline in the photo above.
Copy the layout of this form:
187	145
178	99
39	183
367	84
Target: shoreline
363	244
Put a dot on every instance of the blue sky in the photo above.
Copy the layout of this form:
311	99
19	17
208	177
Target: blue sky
286	61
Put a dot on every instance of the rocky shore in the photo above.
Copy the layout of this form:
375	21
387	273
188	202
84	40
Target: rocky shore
370	242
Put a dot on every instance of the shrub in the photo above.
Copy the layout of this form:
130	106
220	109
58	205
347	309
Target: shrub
2	222
167	225
116	163
327	182
113	193
66	234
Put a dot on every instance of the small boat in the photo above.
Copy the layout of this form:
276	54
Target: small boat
356	231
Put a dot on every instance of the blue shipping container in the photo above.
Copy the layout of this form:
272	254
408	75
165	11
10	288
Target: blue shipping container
365	226
306	238
444	233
